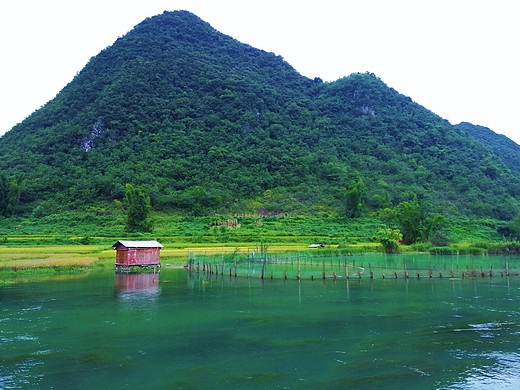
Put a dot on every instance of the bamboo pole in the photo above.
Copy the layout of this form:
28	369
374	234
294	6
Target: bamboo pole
298	267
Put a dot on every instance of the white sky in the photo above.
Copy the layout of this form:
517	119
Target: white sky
458	58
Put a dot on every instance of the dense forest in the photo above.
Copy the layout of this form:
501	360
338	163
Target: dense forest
204	124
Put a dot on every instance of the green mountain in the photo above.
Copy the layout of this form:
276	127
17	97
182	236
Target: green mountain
503	148
204	124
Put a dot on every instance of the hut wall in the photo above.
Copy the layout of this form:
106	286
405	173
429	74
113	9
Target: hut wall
134	256
122	256
145	256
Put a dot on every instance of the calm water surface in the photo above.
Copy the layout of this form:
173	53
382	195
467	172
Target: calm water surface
172	330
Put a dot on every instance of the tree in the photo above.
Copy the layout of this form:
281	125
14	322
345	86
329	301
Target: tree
408	217
9	195
353	200
414	223
515	226
3	195
389	238
431	225
13	197
138	208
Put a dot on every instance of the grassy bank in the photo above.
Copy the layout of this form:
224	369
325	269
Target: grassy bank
76	242
101	227
18	261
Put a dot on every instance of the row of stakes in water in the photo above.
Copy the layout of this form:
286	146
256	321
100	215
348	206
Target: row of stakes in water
334	267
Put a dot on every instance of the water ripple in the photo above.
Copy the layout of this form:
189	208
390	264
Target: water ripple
502	374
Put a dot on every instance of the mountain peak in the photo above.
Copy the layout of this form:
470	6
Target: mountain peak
179	17
176	26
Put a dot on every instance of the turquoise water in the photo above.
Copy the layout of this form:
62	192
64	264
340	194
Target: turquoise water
176	330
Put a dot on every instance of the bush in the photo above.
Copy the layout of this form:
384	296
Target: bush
443	250
448	250
472	251
389	239
85	240
439	238
420	247
500	248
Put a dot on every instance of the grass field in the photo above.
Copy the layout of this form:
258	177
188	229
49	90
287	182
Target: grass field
25	262
65	243
31	257
40	258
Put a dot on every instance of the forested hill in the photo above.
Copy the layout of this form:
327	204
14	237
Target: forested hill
499	144
204	124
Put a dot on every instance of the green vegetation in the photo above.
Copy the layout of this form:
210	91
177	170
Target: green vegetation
138	206
389	239
10	190
177	129
206	125
91	229
74	243
414	224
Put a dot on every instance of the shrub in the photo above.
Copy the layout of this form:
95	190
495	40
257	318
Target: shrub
448	250
420	247
443	250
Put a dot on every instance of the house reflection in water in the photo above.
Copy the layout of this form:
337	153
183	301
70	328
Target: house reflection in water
137	287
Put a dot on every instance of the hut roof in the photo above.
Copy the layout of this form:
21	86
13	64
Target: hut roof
137	244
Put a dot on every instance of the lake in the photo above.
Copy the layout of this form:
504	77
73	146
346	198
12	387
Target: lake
178	330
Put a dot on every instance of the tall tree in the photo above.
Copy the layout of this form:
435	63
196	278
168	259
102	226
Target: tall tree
4	188
13	196
408	217
353	200
515	226
138	208
414	223
9	195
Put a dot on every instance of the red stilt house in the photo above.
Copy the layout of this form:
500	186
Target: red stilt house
137	253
